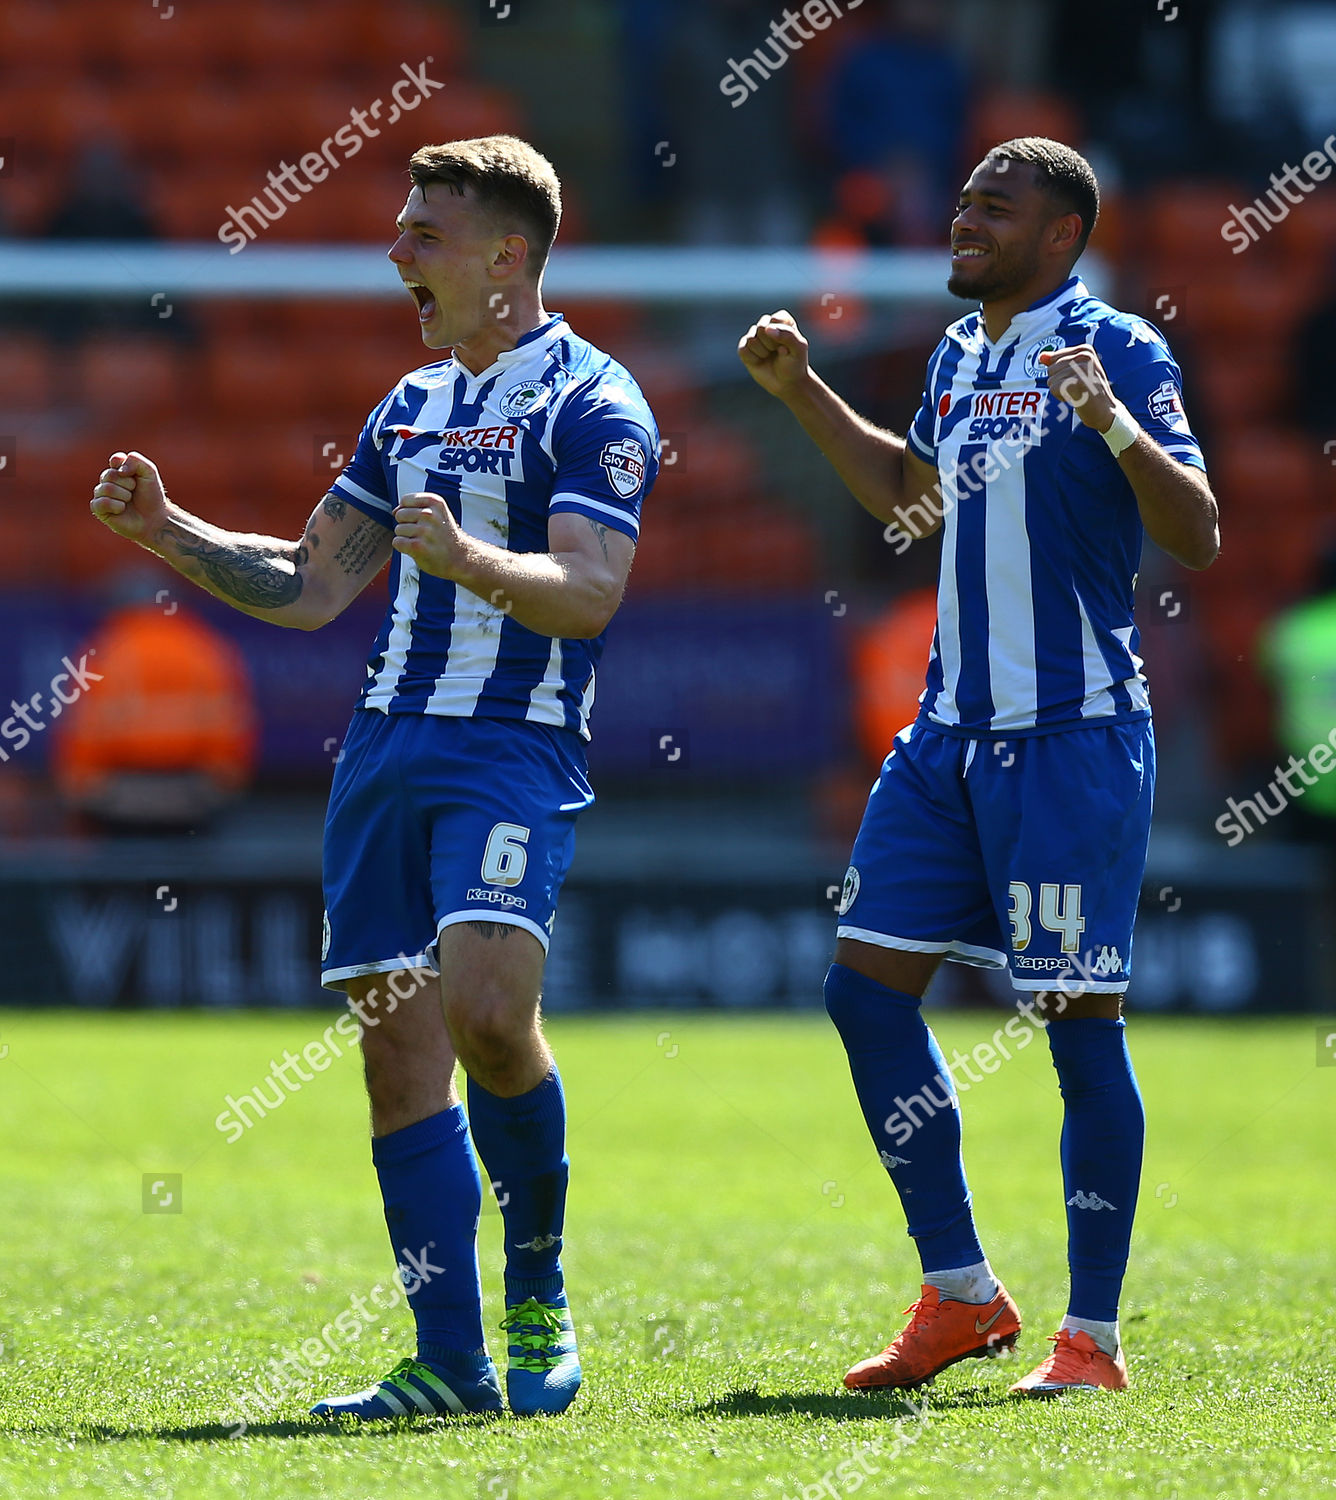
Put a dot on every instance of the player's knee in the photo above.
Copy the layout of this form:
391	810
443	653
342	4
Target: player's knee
859	1005
486	1030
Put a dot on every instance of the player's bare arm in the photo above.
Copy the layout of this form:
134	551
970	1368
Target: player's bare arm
1177	507
302	584
570	591
882	474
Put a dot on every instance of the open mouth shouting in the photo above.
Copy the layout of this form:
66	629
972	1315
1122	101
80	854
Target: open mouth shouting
424	297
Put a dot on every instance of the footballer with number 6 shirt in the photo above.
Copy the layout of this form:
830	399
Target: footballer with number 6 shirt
503	486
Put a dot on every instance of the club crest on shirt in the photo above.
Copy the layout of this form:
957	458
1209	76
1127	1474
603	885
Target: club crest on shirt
1033	369
849	890
1166	406
521	399
624	464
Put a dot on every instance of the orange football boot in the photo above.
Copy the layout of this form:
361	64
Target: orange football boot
1076	1364
940	1332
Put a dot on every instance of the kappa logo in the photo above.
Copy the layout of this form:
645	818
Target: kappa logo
1166	405
1108	962
326	938
1047	345
624	464
508	899
849	891
521	399
1025	961
1081	1199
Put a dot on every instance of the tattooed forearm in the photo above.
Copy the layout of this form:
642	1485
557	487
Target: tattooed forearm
259	576
360	547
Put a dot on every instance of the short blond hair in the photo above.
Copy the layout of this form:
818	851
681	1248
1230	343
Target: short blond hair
508	178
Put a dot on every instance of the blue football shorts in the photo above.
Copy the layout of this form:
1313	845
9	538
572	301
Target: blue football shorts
435	820
1024	853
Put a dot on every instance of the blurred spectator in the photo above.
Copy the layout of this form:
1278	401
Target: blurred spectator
102	201
890	662
1298	651
732	157
893	120
168	735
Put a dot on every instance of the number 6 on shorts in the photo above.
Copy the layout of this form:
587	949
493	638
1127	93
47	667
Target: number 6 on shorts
505	858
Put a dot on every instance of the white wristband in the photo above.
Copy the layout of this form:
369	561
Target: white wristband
1124	431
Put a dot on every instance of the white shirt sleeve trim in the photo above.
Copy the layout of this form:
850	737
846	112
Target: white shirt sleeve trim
568	500
356	492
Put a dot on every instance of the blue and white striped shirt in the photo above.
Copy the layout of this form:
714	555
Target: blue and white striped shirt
554	425
1041	538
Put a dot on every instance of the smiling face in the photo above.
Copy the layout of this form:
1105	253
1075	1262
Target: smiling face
1008	235
448	253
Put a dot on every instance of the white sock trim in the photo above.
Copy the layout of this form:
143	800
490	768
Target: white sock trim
974	1283
1106	1335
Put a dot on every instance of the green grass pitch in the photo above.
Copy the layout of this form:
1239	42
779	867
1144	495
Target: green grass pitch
732	1245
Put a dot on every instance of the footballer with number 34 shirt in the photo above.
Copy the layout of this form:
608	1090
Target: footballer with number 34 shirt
503	486
1008	827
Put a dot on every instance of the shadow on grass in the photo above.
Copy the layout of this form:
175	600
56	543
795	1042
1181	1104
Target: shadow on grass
218	1432
857	1406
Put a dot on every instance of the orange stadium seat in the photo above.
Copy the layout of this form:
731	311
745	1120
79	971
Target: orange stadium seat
707	467
353	376
613	326
1181	223
199	464
205	120
1251	301
1270	470
1307	235
468	109
212	120
397	31
355	203
188	205
135	375
354	321
1114	227
27	373
284	37
27	200
38	34
1003	115
755	549
259	377
54	114
1236	392
26	560
165	38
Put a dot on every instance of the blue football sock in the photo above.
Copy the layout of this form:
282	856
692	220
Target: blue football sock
522	1143
910	1105
1103	1129
433	1195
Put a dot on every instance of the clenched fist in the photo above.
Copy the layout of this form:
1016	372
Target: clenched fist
129	498
429	534
1077	377
775	354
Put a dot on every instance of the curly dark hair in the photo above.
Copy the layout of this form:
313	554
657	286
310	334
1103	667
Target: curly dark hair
1065	175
